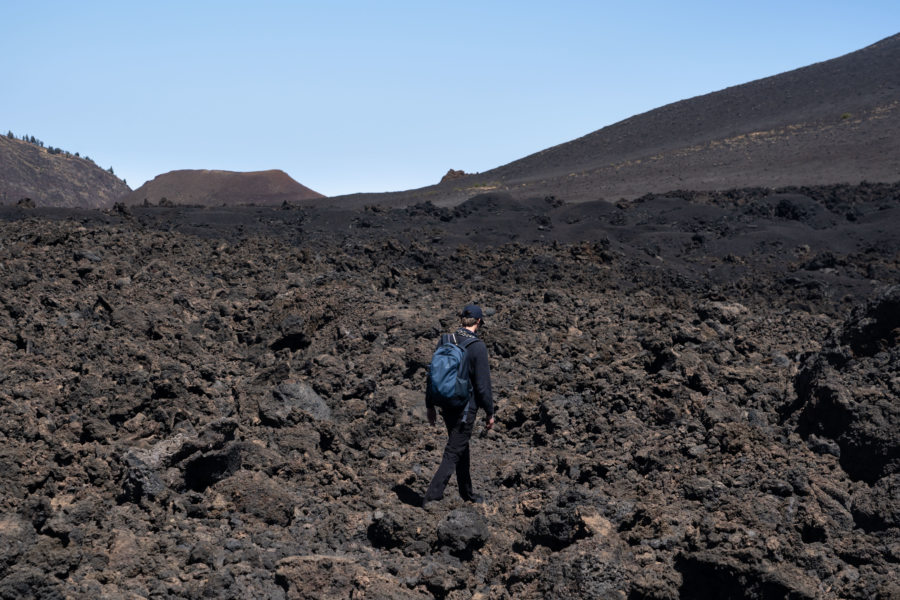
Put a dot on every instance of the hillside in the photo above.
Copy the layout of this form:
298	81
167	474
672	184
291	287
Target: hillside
217	188
836	121
63	180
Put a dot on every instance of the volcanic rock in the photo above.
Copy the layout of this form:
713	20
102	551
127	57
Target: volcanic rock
228	402
462	532
452	174
289	398
848	395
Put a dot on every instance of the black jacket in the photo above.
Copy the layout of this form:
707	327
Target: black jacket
479	374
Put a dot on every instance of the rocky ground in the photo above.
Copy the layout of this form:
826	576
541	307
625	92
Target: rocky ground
697	398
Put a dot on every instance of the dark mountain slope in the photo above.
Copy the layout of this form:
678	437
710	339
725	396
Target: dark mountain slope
863	84
31	171
832	122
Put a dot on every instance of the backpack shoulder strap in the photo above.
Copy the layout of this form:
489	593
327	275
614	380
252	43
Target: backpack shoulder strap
468	342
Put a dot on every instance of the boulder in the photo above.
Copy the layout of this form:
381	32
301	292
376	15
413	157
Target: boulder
290	403
462	532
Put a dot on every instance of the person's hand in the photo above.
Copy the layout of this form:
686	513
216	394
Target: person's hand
432	416
490	423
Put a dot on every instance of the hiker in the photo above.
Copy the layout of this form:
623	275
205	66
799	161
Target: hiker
459	415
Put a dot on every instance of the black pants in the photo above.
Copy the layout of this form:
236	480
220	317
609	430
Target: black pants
456	457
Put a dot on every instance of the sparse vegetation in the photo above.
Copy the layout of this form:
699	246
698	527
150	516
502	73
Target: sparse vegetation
51	149
484	185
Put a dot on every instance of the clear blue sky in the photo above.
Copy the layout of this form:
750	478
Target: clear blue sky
350	96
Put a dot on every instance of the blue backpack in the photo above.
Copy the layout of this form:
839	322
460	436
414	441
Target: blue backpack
448	381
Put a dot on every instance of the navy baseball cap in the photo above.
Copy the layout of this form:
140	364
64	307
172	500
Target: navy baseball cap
472	311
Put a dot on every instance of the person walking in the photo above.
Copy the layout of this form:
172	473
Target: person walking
460	421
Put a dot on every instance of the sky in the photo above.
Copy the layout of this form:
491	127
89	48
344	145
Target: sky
354	96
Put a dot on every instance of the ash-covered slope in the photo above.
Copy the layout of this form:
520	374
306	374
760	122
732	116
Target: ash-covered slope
832	122
844	93
216	188
54	179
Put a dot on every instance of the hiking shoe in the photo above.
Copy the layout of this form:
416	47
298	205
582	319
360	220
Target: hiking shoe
475	499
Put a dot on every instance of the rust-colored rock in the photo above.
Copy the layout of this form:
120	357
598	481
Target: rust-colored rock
453	174
221	188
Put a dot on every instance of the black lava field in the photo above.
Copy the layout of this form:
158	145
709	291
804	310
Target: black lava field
697	398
